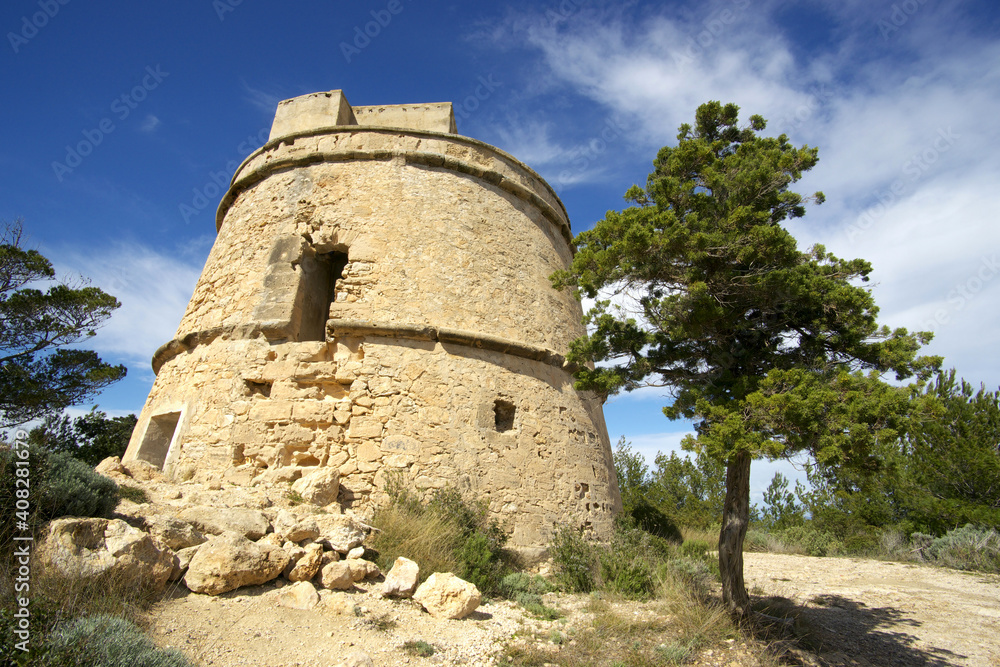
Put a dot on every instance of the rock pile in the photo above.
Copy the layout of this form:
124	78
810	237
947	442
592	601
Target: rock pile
216	540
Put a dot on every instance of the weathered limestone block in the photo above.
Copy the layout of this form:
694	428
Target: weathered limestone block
252	524
337	575
111	467
231	561
444	595
295	529
340	533
87	548
300	595
184	557
175	533
308	565
401	581
319	487
142	471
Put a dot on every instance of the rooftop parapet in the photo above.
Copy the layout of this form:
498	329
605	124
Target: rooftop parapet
327	109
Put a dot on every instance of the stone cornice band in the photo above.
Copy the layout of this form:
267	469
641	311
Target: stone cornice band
244	181
340	328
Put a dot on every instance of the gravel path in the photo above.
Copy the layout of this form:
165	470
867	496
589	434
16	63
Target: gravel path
867	612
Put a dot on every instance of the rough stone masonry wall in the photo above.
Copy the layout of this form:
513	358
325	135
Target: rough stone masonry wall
444	325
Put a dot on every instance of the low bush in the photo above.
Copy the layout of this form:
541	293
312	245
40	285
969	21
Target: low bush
574	559
105	641
444	534
967	548
60	485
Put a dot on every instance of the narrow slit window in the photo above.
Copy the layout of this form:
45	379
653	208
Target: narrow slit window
503	415
320	274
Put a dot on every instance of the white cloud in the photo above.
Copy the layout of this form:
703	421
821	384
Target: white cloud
153	288
149	123
906	111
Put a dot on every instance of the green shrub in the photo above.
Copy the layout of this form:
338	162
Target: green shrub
862	544
419	648
695	549
812	541
968	548
574	560
516	583
444	534
106	641
60	485
133	493
641	514
627	574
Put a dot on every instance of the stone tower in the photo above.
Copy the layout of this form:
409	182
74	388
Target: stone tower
377	300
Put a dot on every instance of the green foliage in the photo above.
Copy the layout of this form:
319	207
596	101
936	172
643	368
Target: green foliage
810	540
574	560
90	438
40	370
780	507
60	485
762	345
106	641
695	549
133	493
445	534
419	648
966	548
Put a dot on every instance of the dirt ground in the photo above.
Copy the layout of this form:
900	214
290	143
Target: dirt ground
853	612
867	612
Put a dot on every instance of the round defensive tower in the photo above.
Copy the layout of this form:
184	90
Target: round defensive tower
378	300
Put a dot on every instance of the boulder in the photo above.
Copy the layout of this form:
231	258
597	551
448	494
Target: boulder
184	557
356	552
301	595
79	548
444	595
308	565
251	524
337	576
143	471
110	467
294	528
230	561
339	532
175	533
402	579
319	487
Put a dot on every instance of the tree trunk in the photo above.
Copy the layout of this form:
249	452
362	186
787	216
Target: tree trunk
735	520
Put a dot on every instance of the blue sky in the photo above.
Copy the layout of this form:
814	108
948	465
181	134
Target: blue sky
121	119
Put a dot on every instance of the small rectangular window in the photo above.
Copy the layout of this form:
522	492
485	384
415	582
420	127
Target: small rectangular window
503	413
156	441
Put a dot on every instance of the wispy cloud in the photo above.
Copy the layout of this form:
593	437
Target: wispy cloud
265	101
149	123
153	288
899	124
